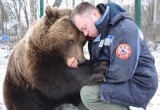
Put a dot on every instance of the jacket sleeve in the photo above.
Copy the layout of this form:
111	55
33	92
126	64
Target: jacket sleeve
124	51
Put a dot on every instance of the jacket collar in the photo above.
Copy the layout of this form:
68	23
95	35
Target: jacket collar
113	13
103	22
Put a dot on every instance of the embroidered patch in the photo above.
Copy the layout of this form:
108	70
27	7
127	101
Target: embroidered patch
123	51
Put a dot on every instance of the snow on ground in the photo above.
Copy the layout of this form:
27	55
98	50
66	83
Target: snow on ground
4	55
155	102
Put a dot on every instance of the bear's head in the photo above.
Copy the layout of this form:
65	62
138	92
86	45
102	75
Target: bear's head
54	34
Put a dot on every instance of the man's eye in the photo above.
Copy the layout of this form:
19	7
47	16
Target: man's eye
84	28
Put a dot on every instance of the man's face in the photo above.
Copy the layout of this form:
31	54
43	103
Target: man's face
86	24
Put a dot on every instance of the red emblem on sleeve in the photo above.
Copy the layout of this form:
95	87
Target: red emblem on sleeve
123	51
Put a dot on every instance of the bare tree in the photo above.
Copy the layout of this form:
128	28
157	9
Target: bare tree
46	1
155	13
93	2
33	10
150	21
57	3
16	9
73	3
82	0
4	17
70	3
67	4
24	8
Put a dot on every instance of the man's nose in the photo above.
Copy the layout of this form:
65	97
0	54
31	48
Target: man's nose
85	33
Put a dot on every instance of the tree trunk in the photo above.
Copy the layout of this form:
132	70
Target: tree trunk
73	3
33	11
4	17
17	8
92	1
24	7
155	13
2	25
57	3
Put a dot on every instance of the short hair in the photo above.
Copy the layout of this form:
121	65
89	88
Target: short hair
84	7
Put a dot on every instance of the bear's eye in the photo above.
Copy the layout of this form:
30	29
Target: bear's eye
71	42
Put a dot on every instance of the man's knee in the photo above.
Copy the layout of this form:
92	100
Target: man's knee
90	93
85	92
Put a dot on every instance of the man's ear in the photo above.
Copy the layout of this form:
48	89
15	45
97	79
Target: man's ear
94	12
95	15
51	11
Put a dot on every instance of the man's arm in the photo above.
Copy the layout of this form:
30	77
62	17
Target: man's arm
124	56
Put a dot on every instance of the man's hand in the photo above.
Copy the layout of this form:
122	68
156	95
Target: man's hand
72	62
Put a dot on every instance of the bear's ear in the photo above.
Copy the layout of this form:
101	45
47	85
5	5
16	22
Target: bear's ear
51	11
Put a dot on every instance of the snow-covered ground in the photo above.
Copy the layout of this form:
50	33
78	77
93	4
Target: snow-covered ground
4	55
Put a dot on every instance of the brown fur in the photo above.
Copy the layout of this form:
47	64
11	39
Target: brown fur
47	35
36	67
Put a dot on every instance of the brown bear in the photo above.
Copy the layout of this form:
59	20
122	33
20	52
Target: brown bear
37	76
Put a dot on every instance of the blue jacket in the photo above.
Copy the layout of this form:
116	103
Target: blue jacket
131	78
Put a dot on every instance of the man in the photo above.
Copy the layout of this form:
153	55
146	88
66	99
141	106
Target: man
131	78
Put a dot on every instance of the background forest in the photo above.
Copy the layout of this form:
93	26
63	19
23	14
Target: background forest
17	15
